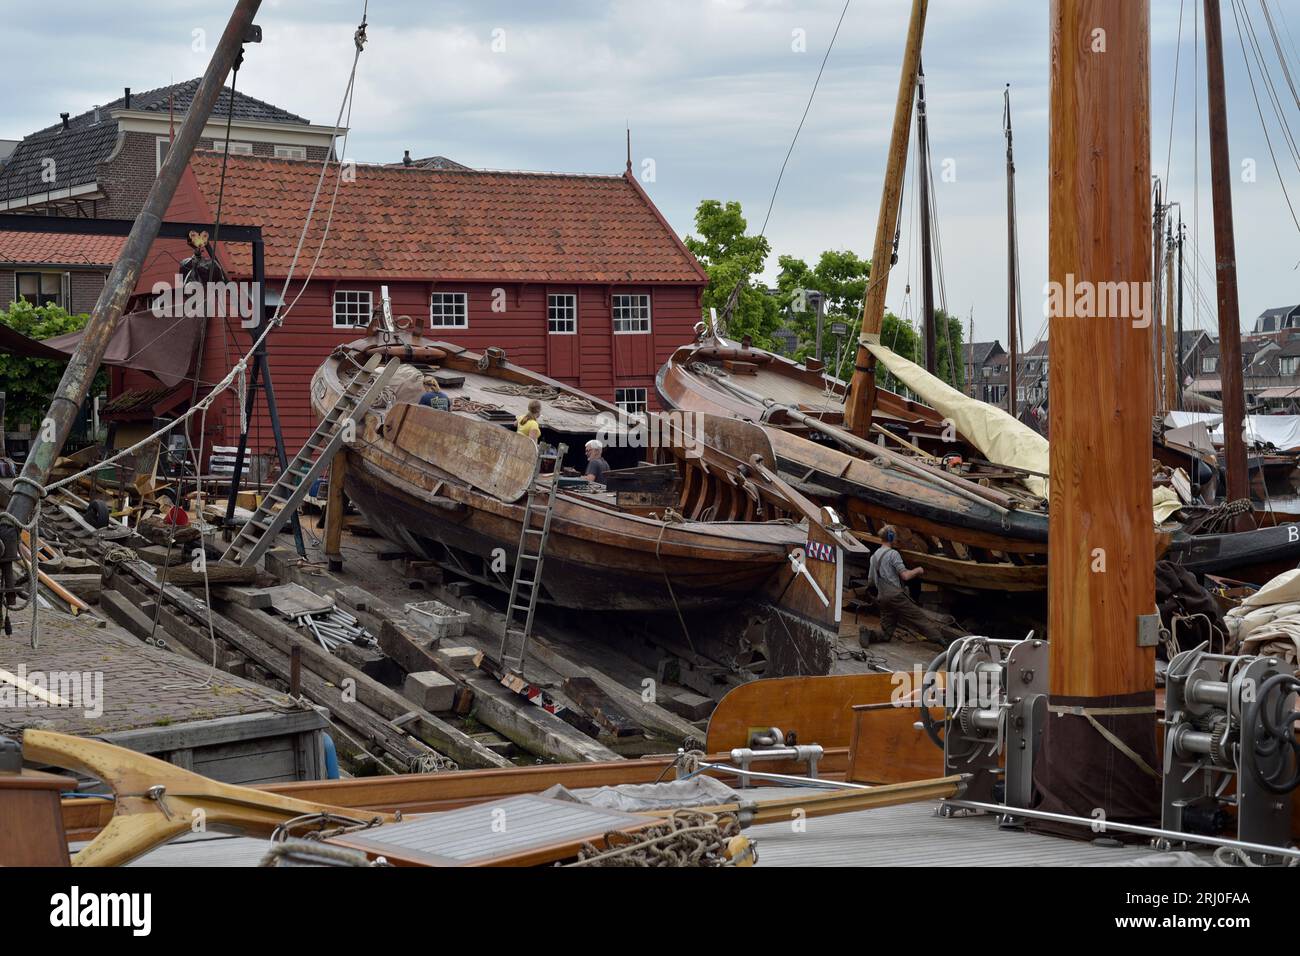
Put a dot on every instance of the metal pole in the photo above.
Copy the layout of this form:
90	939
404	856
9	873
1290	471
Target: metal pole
1103	826
122	280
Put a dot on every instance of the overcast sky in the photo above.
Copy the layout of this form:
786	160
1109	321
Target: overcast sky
712	90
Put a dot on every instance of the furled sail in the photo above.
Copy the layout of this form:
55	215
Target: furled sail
998	437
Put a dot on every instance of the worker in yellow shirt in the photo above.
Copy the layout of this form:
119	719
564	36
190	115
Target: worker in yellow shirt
527	423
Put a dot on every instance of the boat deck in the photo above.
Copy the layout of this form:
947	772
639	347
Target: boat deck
906	835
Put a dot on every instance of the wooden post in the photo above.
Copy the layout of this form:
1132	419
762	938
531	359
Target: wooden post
334	510
1101	551
862	390
1225	263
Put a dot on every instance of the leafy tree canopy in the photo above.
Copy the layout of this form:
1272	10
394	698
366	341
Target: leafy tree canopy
730	256
28	383
841	276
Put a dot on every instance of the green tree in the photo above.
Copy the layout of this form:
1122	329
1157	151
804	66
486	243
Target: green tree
841	276
28	383
730	257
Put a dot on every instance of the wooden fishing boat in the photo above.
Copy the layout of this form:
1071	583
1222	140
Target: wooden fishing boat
971	523
719	528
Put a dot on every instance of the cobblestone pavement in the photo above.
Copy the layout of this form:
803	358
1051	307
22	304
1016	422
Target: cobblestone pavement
113	681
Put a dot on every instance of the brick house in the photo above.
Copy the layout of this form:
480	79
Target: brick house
45	268
101	163
576	276
986	371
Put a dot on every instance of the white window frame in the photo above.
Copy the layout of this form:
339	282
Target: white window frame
1209	363
462	313
1288	364
353	304
561	317
616	305
637	404
158	143
237	147
290	152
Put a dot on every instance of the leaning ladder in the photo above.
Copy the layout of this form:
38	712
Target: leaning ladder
282	501
525	586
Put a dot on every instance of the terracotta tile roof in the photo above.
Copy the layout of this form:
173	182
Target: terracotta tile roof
41	248
451	224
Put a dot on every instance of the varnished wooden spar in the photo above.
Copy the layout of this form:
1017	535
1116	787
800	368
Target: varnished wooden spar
1225	261
862	393
1101	552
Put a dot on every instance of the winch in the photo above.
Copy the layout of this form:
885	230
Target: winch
1230	746
994	695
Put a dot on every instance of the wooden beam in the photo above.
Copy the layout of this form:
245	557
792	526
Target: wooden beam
383	700
334	511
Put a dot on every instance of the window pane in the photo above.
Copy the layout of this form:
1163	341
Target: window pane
352	308
562	314
448	310
631	313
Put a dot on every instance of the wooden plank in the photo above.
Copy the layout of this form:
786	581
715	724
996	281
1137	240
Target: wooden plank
217	572
532	728
887	747
479	453
818	710
256	598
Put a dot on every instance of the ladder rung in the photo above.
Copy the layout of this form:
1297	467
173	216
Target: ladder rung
530	557
520	607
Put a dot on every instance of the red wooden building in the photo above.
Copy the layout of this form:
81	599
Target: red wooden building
577	276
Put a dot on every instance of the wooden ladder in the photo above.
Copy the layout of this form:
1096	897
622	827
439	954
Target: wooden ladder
282	501
526	584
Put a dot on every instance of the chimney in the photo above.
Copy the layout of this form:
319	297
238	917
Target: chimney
64	117
406	158
128	97
96	108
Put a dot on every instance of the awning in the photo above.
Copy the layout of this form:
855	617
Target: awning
15	343
163	347
1280	392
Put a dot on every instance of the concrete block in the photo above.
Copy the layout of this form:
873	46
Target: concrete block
460	659
432	691
688	704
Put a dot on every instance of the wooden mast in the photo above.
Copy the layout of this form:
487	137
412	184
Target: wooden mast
862	390
927	249
1172	335
1225	261
1101	546
1013	290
